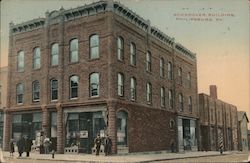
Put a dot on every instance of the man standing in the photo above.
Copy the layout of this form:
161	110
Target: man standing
20	145
28	144
107	146
98	142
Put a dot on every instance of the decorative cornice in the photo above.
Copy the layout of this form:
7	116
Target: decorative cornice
100	7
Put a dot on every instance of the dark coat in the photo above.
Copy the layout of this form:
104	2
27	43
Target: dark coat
20	145
12	148
27	145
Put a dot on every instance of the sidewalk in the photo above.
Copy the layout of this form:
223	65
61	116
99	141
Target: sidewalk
134	157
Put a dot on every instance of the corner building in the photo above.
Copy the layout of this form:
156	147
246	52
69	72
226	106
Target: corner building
100	68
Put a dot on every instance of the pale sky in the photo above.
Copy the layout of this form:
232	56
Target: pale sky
221	46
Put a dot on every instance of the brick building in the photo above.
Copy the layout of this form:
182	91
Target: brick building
100	68
242	134
218	122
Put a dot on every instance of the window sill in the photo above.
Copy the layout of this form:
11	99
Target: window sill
122	61
54	66
94	97
93	59
53	101
73	99
132	65
37	69
19	104
73	63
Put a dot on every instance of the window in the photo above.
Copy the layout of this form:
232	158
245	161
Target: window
94	85
172	124
36	91
94	46
54	89
74	50
132	54
190	104
170	71
148	61
162	97
54	54
180	75
74	80
181	102
149	93
133	88
162	71
170	99
20	61
36	58
20	93
120	84
189	79
120	48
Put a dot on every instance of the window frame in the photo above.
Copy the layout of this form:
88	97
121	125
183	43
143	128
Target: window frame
170	70
190	104
181	102
170	99
120	48
54	53
91	76
36	91
133	88
162	68
91	46
148	61
132	50
73	50
53	89
163	97
19	93
36	56
149	93
20	62
120	84
73	87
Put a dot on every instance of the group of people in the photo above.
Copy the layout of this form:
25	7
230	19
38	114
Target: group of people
23	144
106	141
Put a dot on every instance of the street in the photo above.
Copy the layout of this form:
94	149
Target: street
241	157
223	158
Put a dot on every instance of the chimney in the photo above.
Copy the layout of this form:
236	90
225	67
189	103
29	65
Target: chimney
213	91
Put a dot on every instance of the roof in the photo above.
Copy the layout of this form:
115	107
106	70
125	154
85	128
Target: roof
241	115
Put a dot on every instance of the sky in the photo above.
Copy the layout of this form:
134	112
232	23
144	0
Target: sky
216	30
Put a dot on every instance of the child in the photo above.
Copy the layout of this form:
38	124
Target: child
12	148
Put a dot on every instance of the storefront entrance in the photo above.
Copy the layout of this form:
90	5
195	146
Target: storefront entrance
82	128
122	132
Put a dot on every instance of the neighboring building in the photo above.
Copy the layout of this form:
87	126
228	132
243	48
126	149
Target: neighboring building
248	138
101	68
3	95
218	122
243	137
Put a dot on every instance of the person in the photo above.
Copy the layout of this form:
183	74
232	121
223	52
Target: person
47	144
27	146
97	142
107	146
12	148
41	142
20	146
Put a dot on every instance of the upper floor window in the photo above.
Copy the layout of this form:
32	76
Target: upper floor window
148	61
120	48
54	54
94	84
162	70
120	84
162	97
180	75
74	50
170	99
19	93
132	54
133	88
20	61
170	71
74	80
36	58
189	79
54	89
181	102
190	104
149	92
36	91
94	46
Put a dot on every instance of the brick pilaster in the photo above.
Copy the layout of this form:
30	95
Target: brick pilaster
7	130
59	120
112	130
45	120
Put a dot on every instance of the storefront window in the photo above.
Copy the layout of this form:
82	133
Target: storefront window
122	128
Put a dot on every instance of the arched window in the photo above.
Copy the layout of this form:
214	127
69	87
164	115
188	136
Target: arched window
190	104
54	89
181	102
162	69
148	61
36	91
189	79
170	99
54	54
20	61
120	84
36	58
162	97
132	54
94	84
74	80
170	71
180	75
133	88
73	50
149	93
94	46
19	93
120	48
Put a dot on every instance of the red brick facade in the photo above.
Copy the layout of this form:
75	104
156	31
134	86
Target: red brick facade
145	121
